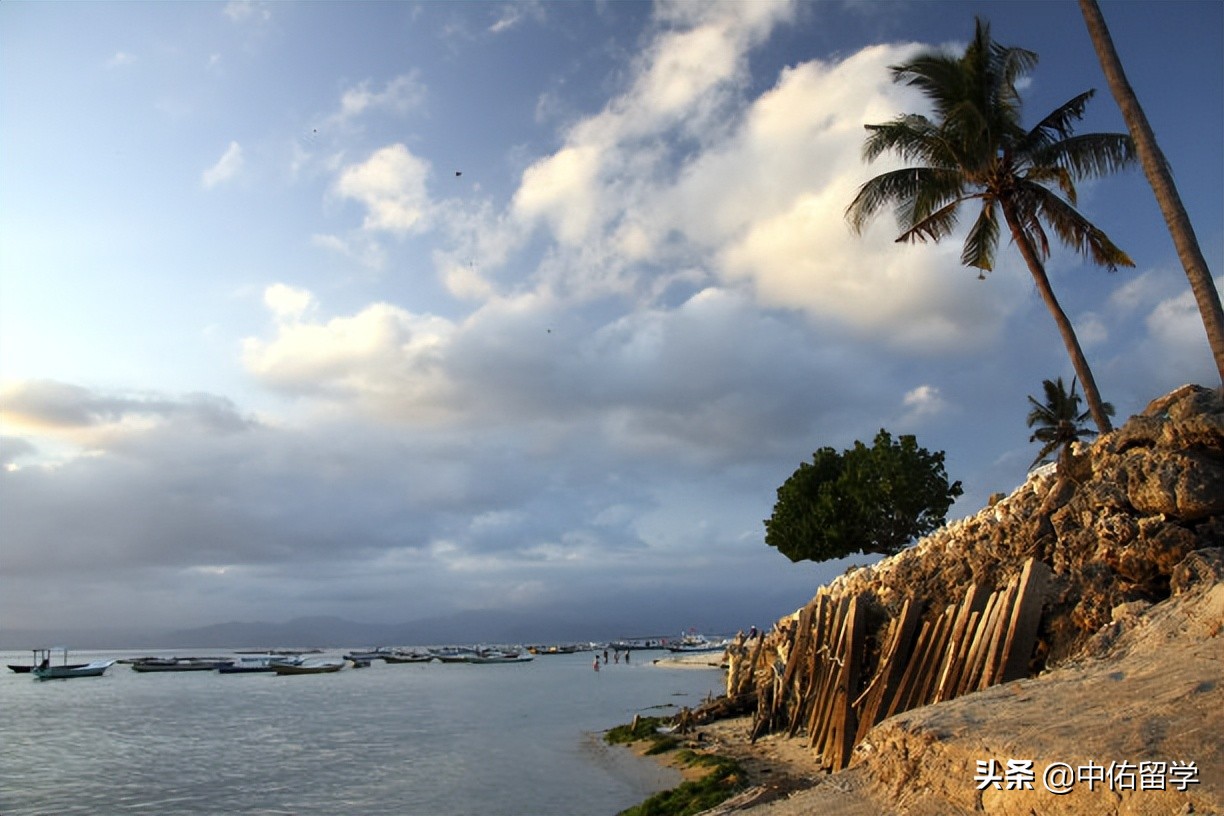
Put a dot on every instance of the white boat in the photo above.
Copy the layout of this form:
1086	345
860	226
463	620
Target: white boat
693	642
312	665
498	656
45	670
246	664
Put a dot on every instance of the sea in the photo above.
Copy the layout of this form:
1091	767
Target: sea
432	739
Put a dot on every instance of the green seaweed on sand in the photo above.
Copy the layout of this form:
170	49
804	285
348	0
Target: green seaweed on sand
724	779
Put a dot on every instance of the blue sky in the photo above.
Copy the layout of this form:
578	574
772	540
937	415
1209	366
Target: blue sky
390	310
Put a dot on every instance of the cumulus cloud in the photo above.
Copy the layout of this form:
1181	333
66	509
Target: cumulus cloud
398	96
760	203
226	168
120	59
391	186
240	11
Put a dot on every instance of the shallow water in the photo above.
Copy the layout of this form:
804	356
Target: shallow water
391	739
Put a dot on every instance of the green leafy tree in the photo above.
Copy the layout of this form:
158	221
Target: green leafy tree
976	150
1059	420
866	499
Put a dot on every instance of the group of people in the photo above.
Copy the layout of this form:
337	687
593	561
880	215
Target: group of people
616	658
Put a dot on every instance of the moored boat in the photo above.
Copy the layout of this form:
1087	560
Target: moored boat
178	664
306	666
248	663
45	670
401	656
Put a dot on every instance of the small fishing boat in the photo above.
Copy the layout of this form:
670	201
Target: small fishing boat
401	656
247	664
177	664
312	665
495	656
45	670
693	642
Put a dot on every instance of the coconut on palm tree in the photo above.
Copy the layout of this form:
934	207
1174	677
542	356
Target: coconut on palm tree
1059	419
975	149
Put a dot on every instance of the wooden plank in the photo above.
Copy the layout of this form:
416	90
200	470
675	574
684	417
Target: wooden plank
822	703
925	686
912	667
961	634
844	718
1022	634
892	665
804	684
980	645
796	657
990	667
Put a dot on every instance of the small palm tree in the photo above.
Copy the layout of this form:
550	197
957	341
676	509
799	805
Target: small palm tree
1059	419
976	149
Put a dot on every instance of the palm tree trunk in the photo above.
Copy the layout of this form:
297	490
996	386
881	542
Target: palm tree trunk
1092	396
1161	178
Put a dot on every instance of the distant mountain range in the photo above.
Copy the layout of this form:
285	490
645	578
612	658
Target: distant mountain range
628	618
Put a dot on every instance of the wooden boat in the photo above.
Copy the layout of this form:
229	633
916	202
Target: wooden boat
45	670
247	663
692	642
21	668
177	664
499	657
407	657
307	666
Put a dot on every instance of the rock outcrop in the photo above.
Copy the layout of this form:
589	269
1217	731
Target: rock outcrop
1113	532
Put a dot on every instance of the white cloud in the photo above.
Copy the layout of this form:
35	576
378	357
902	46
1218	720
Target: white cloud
391	185
226	168
923	402
243	10
383	358
1177	325
287	302
399	96
120	59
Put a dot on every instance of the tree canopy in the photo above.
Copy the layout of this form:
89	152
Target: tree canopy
865	499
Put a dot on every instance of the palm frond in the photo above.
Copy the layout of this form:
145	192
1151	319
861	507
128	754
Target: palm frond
912	137
935	226
983	238
1090	155
914	191
1057	124
1072	228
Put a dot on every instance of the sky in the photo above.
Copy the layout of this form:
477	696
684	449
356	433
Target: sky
396	310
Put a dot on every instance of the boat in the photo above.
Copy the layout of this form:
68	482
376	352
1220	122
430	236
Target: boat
21	668
693	642
495	656
453	654
45	670
401	656
178	664
248	663
312	665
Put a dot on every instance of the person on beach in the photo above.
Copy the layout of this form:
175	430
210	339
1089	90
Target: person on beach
595	665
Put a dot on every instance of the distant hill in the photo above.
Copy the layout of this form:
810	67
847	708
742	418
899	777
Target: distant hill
642	615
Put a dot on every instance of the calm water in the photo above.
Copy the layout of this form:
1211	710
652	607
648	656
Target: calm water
403	739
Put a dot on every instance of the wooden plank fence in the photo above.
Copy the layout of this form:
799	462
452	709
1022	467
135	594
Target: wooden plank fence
818	681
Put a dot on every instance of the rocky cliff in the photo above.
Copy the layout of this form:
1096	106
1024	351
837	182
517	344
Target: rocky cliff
1104	534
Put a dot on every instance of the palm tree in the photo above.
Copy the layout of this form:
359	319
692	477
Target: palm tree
1059	419
1160	177
976	149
